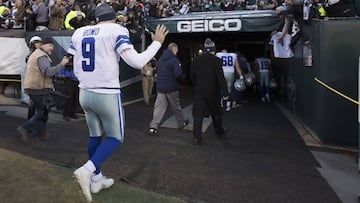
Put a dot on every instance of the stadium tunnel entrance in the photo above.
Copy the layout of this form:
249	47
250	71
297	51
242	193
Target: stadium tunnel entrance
249	44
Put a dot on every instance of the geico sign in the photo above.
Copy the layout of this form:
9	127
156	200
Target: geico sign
217	25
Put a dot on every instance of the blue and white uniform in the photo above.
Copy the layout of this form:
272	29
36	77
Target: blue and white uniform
228	60
264	65
228	65
97	50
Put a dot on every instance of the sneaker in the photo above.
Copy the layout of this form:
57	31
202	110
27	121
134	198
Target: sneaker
186	122
233	105
25	135
267	96
83	177
228	108
153	131
103	183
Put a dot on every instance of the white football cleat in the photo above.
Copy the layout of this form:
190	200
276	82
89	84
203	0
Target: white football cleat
83	177
103	183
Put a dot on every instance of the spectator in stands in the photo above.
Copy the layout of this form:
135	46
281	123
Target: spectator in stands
266	4
71	15
122	20
10	4
147	15
20	16
69	6
30	17
115	5
57	15
153	8
78	21
2	7
286	12
4	22
42	15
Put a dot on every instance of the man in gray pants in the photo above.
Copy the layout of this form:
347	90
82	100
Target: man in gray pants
169	71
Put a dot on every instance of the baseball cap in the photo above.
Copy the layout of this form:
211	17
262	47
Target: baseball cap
47	40
104	12
35	39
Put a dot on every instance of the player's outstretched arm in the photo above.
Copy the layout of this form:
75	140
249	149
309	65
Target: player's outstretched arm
138	60
160	34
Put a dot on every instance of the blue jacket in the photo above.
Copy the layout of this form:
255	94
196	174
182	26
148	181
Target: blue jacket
69	74
168	71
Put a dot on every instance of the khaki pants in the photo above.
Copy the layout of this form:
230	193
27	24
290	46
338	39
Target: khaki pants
147	86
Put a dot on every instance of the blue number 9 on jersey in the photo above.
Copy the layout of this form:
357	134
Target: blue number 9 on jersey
88	54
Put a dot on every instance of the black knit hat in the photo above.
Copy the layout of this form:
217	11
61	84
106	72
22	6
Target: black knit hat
104	12
47	40
209	45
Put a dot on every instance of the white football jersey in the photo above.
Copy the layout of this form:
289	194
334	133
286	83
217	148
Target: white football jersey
96	51
281	49
228	61
263	64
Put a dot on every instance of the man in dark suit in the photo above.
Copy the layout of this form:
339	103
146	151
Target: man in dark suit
208	80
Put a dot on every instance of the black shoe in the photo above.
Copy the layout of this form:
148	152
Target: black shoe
66	118
186	122
153	131
43	136
196	141
74	116
222	134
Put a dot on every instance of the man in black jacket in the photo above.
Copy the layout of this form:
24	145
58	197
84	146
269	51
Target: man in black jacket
169	71
208	80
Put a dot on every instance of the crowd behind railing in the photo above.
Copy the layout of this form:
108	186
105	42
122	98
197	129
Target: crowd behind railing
71	14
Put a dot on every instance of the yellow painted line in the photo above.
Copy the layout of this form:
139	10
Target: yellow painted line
337	92
9	80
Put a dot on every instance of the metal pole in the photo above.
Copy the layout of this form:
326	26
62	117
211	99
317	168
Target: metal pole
359	115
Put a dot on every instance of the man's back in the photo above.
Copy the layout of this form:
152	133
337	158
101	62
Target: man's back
206	74
169	71
264	64
96	58
228	61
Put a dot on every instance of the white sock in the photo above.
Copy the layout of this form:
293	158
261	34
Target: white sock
97	177
228	104
89	165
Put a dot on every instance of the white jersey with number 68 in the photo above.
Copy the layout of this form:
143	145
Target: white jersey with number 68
228	61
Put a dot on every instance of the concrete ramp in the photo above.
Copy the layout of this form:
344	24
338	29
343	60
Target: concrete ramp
171	122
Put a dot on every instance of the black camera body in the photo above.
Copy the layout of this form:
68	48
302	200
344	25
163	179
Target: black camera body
69	65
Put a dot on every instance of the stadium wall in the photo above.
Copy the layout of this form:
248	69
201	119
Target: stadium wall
335	53
14	49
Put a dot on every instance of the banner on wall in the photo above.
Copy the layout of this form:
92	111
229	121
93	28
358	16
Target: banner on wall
219	21
12	55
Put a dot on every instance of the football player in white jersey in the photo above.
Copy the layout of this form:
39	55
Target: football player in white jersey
263	66
230	64
97	50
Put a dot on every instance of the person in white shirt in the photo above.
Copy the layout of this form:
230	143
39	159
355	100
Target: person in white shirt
97	50
230	63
